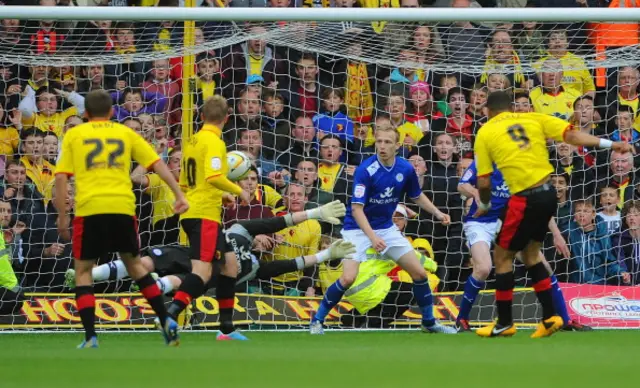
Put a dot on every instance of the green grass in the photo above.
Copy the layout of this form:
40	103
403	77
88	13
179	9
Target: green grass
601	359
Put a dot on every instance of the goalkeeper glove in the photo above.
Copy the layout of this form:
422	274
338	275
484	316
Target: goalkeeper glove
328	213
338	250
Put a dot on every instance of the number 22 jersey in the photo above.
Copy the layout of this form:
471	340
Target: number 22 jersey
517	144
98	154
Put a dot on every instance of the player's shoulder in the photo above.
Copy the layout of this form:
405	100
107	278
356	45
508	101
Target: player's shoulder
370	165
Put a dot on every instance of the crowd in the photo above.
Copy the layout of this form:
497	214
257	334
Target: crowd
309	118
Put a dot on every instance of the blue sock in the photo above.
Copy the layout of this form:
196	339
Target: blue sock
422	293
471	290
558	300
331	298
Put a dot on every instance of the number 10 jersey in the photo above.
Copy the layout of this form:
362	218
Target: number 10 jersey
99	154
204	157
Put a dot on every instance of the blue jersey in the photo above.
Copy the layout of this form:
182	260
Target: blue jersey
499	194
380	189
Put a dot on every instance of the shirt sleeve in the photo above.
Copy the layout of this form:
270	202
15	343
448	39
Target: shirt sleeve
412	187
484	164
470	176
361	182
553	127
142	152
64	165
215	163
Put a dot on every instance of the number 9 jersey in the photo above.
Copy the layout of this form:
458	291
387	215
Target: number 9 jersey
98	154
517	144
204	157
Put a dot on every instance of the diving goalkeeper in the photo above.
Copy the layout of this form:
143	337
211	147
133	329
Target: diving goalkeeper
172	262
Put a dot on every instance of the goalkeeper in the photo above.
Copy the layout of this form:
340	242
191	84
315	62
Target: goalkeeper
172	262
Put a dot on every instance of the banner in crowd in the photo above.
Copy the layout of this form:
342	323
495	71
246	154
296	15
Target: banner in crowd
604	306
131	311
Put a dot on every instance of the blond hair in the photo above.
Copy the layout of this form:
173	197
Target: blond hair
215	109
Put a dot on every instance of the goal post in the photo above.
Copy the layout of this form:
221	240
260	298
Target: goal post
293	77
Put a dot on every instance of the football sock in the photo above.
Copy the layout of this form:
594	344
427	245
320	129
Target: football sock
422	293
542	287
86	305
151	292
504	298
558	300
331	298
192	287
113	270
165	285
225	295
471	290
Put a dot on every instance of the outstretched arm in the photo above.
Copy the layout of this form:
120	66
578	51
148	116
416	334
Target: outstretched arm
424	202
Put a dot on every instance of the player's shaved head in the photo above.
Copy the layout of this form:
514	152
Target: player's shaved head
98	104
499	102
215	110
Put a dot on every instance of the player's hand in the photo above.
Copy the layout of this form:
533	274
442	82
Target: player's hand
53	250
378	244
341	249
561	246
180	205
228	201
444	219
245	197
622	147
626	277
331	211
262	242
63	226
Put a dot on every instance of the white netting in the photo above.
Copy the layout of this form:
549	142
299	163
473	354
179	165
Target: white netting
287	82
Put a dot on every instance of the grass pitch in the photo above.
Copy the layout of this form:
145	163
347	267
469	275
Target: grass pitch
338	359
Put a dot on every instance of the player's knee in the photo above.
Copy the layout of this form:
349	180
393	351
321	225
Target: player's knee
346	280
481	271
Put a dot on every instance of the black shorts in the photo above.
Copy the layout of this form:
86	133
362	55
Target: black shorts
526	217
206	240
100	234
169	260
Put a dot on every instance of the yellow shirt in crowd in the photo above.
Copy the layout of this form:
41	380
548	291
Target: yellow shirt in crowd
9	140
557	105
41	175
575	76
53	123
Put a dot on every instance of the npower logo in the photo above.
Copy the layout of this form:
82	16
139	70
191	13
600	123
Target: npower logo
612	307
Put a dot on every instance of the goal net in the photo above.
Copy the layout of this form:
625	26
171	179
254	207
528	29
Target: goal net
304	100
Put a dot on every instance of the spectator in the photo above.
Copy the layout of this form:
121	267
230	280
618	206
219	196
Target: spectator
40	108
46	38
39	171
553	98
497	82
610	214
530	42
277	130
69	123
161	84
306	173
624	93
50	147
258	207
333	119
250	142
584	117
560	182
164	225
92	38
209	78
94	78
11	34
477	101
396	108
581	176
147	126
426	43
522	103
407	73
247	110
621	166
331	173
422	108
253	58
130	74
575	74
464	42
501	56
593	260
626	245
626	132
303	145
10	124
299	240
47	255
134	102
303	94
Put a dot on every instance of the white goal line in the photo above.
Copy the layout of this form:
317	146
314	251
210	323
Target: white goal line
322	14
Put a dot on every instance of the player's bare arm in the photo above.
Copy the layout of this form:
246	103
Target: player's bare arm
61	183
468	191
425	203
180	205
361	219
139	176
580	138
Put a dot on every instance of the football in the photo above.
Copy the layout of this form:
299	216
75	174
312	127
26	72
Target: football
239	165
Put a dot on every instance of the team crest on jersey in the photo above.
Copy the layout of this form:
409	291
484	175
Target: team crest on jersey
359	191
399	177
216	163
375	166
340	127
